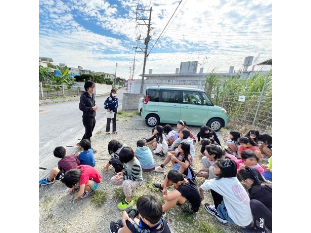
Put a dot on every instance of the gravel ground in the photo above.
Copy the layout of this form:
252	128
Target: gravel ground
58	215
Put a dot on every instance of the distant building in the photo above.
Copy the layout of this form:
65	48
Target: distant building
186	75
43	61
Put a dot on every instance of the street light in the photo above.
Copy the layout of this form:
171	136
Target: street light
115	77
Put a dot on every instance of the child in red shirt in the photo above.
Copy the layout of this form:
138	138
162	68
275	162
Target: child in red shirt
87	177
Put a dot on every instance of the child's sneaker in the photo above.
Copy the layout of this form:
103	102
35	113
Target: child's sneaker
86	194
132	213
114	227
46	181
211	209
159	169
124	204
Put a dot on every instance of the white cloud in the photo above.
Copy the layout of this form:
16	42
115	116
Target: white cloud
224	31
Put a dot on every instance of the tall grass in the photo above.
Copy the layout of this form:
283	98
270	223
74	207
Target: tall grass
226	93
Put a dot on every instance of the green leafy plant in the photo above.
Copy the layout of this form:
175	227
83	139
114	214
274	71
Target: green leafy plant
99	198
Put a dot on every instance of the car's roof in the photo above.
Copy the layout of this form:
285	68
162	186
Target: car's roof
174	88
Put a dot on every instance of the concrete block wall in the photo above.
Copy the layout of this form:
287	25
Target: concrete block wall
130	101
100	89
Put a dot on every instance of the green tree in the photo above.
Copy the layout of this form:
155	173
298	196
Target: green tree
44	74
64	77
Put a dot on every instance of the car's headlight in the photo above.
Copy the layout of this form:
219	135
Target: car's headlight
224	111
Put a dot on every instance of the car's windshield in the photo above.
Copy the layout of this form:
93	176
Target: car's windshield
206	100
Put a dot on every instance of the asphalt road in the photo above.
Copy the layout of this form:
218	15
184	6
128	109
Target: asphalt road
60	124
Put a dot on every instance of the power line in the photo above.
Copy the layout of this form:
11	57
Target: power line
164	28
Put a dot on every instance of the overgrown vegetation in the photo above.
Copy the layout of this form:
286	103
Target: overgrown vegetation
99	198
256	110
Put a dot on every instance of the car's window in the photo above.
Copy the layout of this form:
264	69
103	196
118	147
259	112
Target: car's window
192	98
206	100
170	96
153	95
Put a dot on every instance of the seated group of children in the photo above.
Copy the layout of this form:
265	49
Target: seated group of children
234	174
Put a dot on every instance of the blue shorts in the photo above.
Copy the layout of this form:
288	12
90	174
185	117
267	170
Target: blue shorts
94	186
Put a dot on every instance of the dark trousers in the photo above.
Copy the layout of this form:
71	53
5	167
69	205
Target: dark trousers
114	123
261	214
89	124
217	198
118	166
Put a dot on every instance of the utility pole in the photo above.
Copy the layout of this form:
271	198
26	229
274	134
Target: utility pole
147	39
115	77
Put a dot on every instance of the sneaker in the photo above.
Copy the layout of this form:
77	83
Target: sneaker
253	229
211	209
86	194
114	227
132	213
159	169
158	186
46	181
124	204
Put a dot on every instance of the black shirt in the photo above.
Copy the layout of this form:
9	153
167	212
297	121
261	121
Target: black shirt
190	191
262	193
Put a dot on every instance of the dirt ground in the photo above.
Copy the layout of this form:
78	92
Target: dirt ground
58	214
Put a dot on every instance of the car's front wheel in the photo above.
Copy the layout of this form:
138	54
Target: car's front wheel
152	120
215	124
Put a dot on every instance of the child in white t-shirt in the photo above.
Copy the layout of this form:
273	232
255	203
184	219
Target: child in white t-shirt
235	206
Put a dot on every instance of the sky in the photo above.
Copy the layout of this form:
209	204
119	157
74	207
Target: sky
101	35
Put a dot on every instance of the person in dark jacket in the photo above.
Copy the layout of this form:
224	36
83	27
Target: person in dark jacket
208	133
88	107
111	104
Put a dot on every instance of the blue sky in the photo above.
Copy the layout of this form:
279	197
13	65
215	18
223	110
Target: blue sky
97	34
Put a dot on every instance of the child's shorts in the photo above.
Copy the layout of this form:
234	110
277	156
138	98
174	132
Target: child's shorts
187	207
94	186
60	175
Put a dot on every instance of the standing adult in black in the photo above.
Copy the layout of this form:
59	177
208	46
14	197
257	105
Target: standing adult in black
88	106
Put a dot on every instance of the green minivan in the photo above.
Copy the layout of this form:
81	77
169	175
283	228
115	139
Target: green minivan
169	104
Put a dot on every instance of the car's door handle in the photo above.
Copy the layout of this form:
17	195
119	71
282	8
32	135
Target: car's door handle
175	106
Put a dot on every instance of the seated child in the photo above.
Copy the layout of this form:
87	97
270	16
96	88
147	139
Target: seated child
84	176
232	204
248	144
170	134
208	133
267	173
249	159
130	178
147	218
86	157
260	194
114	146
180	160
212	153
184	136
232	143
185	194
144	155
158	141
66	163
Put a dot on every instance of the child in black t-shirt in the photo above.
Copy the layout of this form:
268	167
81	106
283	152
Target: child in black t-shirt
146	219
185	194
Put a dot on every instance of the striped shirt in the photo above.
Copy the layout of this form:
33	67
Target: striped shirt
68	162
133	170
